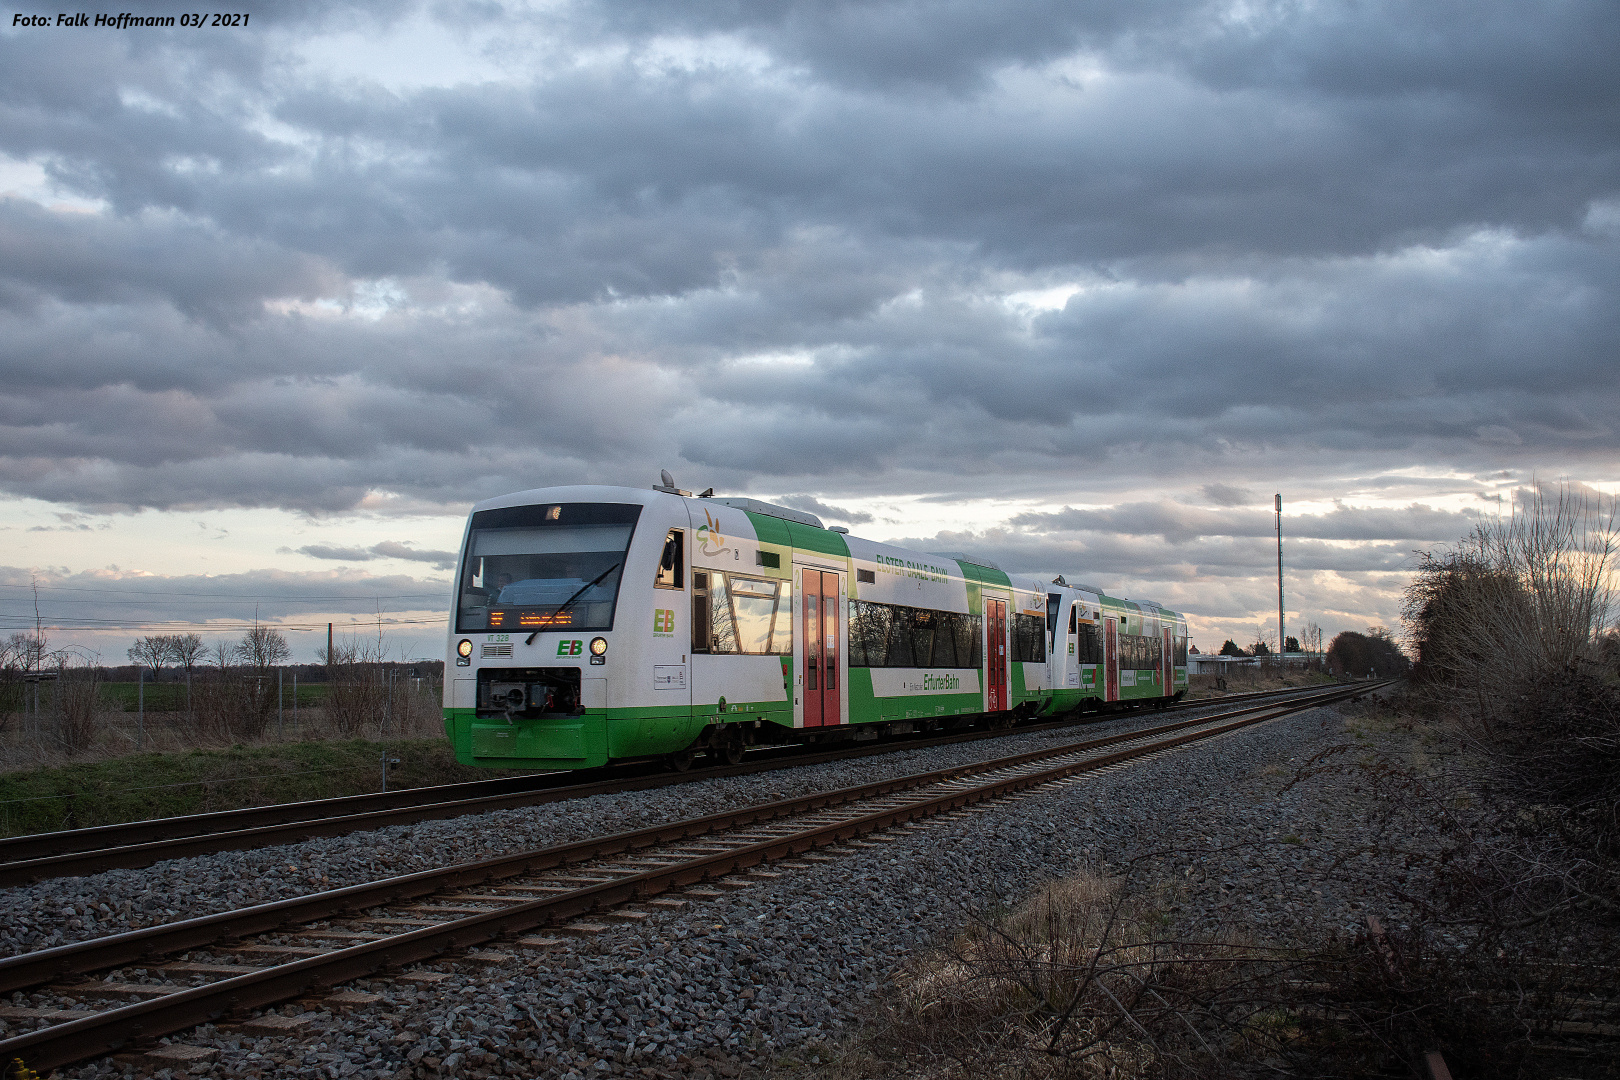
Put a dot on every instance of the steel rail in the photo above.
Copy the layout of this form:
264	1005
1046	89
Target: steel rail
30	969
94	837
108	1031
184	826
152	841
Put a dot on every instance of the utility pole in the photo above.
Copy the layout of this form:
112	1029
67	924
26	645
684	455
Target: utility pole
1282	642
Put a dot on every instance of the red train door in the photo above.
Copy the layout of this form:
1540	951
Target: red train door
821	633
995	647
1169	664
1111	659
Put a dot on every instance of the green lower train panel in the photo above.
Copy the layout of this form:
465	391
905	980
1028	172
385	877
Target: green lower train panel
597	736
575	742
865	707
593	738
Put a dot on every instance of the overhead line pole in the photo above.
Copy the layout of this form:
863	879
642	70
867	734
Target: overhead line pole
1282	642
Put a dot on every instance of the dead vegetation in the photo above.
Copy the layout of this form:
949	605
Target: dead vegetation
1084	981
1508	952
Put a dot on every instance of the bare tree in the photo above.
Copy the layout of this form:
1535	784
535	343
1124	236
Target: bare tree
29	650
262	648
223	654
151	651
187	650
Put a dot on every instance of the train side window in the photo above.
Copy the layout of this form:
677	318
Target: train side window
1071	619
672	566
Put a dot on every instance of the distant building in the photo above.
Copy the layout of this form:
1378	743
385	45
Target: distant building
1212	664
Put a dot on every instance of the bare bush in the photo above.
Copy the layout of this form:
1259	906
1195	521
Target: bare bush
355	687
12	666
1510	925
78	699
1516	602
365	692
214	705
260	652
1082	982
1075	983
1513	629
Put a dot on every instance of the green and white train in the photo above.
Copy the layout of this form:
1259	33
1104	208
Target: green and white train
600	624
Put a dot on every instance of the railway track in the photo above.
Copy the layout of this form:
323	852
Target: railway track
256	957
78	852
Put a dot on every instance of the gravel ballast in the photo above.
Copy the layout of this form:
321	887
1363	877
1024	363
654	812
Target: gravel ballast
739	980
63	910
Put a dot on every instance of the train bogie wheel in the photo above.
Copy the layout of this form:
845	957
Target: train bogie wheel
680	760
731	751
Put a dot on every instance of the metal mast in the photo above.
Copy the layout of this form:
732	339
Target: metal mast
1281	640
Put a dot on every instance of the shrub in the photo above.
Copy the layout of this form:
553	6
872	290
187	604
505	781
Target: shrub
1514	604
1356	655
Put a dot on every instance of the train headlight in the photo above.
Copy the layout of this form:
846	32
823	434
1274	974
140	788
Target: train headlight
464	648
598	646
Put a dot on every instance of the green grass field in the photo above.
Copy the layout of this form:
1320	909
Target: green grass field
171	696
142	786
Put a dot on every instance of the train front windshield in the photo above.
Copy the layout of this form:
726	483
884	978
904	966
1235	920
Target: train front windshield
547	567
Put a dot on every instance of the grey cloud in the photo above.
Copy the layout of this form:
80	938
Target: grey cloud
107	608
91	260
393	549
1177	523
326	551
602	180
387	549
1228	495
823	510
1309	247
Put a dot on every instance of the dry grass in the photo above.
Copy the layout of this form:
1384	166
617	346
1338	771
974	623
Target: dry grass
75	726
1249	680
1077	982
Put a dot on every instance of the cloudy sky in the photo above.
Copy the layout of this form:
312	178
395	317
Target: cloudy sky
1074	285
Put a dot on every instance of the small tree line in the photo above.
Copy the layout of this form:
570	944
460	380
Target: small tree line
236	689
1265	642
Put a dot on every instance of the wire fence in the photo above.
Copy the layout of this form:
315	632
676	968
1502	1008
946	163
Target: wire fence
84	713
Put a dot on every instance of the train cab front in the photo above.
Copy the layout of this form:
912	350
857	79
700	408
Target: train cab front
532	638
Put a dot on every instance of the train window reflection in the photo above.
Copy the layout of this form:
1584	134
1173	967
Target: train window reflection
741	615
544	568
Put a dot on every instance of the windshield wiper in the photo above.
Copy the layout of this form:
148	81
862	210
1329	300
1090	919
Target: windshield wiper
564	605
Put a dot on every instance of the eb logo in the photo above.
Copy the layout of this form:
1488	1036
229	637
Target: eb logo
663	621
570	648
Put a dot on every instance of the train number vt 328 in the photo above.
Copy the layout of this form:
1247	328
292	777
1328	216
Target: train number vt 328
600	624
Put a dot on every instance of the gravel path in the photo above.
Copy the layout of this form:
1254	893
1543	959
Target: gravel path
764	973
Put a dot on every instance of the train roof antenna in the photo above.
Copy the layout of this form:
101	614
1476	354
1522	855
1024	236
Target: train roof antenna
668	484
